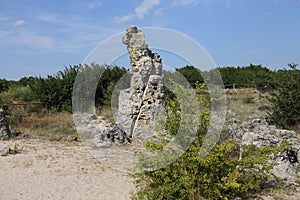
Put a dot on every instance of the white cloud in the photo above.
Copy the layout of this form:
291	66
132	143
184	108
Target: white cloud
125	18
185	3
139	12
19	22
94	4
34	40
159	11
73	32
27	39
70	33
144	7
70	21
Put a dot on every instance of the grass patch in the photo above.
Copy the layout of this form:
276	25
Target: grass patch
248	99
41	124
243	104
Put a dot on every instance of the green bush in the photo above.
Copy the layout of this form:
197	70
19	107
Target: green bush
4	85
285	109
23	93
56	92
261	77
5	98
218	175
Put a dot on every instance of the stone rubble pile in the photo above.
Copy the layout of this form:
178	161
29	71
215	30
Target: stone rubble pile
112	134
259	133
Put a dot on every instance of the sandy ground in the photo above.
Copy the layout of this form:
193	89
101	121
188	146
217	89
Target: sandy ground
58	170
63	170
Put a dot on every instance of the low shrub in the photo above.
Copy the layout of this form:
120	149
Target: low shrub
221	174
23	94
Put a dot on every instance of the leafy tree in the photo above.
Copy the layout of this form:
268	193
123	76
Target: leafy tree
55	92
4	85
1	86
261	77
26	81
293	65
192	74
285	109
106	84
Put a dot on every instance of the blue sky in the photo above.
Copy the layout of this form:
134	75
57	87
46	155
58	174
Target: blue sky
39	37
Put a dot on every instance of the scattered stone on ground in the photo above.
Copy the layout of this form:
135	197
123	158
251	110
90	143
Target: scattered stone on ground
5	150
65	138
111	134
259	133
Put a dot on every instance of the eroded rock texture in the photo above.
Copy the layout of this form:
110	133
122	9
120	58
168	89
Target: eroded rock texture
4	126
139	105
259	133
146	88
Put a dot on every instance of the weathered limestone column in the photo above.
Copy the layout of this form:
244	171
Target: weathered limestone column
146	79
4	126
139	105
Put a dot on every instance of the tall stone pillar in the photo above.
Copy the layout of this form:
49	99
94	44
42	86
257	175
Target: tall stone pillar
4	126
147	90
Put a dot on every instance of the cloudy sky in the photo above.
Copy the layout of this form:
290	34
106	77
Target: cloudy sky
39	37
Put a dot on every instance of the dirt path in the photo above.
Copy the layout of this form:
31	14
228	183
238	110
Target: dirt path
58	170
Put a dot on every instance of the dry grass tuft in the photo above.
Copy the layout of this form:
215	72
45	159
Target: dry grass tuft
40	124
245	103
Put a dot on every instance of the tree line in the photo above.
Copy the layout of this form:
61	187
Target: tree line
256	75
55	91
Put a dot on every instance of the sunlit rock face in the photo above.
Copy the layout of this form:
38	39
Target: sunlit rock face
4	126
137	106
146	88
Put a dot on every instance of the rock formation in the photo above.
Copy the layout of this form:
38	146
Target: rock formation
138	105
259	133
146	79
4	126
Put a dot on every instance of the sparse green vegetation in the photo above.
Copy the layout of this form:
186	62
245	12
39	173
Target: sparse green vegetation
218	175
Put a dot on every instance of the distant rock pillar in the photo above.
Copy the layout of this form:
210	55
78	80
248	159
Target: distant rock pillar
4	126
